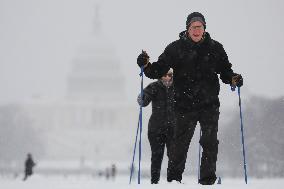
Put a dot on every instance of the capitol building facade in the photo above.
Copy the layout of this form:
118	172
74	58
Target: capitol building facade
95	120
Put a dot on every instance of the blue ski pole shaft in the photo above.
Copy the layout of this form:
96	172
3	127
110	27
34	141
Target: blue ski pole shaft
140	146
199	157
242	131
140	120
134	151
139	129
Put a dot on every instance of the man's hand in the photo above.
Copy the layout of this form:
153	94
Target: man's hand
143	59
237	80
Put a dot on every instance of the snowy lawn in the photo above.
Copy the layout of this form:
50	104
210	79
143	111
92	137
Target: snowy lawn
40	182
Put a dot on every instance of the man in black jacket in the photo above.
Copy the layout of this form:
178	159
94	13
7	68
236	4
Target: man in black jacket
161	122
197	60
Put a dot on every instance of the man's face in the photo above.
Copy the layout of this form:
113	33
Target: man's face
167	77
196	31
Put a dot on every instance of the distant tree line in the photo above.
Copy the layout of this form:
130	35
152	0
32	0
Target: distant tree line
264	139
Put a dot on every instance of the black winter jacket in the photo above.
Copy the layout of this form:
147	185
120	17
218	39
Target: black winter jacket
196	67
29	164
162	99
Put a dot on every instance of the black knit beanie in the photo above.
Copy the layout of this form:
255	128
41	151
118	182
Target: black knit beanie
195	16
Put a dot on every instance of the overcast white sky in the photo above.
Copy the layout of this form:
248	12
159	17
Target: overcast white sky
39	39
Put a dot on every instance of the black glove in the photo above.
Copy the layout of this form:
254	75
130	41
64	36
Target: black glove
238	80
142	59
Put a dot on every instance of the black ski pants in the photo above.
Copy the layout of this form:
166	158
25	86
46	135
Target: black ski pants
158	141
184	130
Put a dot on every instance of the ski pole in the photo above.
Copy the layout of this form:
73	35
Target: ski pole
134	152
199	154
140	121
242	131
139	128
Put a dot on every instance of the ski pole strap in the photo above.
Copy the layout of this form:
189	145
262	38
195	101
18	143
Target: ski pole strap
142	70
141	75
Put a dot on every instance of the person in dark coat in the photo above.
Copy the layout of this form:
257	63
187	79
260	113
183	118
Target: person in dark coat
196	60
161	122
29	164
113	171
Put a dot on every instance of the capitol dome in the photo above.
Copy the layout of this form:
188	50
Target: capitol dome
95	71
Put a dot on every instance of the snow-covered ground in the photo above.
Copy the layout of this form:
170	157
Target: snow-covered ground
43	182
